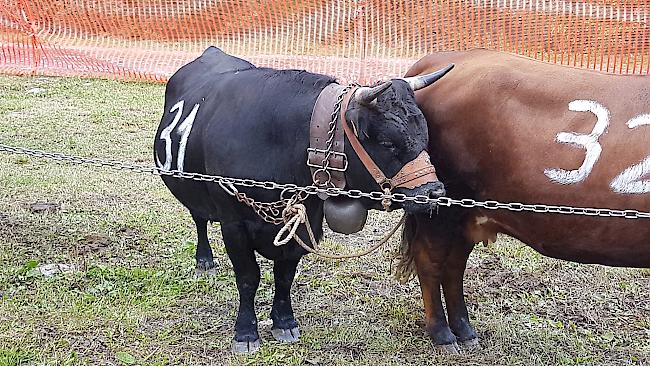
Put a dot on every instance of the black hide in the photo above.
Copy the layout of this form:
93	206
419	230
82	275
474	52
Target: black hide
254	123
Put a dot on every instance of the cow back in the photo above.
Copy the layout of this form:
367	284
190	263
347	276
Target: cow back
224	116
509	128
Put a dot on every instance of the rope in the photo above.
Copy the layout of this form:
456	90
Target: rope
296	214
291	225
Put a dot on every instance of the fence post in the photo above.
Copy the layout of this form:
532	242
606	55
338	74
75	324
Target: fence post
31	29
361	24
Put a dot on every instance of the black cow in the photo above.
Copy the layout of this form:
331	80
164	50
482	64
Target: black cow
224	116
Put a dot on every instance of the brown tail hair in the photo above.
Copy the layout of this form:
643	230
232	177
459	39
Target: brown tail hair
405	267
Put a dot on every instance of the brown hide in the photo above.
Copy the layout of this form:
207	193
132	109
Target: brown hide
493	123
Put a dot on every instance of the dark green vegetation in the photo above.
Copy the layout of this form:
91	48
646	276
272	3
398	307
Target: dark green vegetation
133	298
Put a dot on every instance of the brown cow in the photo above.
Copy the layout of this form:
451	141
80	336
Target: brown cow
508	128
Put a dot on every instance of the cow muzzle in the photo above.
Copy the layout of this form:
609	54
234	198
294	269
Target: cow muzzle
415	173
429	190
416	178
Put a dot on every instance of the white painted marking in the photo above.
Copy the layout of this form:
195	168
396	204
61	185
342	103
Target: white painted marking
588	142
166	134
629	180
183	130
640	120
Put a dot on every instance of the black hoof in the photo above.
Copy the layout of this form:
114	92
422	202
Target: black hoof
471	344
286	335
205	267
202	272
463	331
442	336
245	347
204	264
448	349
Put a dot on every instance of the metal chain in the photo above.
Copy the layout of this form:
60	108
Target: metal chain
332	126
227	182
272	212
325	163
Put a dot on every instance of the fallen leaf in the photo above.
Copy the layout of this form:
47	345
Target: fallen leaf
125	357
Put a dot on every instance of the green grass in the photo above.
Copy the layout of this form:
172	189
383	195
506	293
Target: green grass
135	300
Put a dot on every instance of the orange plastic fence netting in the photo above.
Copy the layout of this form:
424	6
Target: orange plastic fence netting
361	40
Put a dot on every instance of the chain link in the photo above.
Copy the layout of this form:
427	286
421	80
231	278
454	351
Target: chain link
325	163
272	212
332	125
229	183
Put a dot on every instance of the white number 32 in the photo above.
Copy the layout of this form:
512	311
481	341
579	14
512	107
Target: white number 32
629	181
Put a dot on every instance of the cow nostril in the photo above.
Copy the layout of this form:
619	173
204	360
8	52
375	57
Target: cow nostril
437	192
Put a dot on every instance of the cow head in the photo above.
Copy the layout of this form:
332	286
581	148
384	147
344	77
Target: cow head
393	132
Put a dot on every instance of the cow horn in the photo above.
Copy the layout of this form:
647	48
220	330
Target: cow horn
422	81
365	95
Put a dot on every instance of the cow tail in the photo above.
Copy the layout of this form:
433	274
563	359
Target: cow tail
405	267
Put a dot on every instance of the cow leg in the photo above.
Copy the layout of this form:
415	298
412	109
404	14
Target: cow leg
452	285
247	276
285	327
204	259
429	253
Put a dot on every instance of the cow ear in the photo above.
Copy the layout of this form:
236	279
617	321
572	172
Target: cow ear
358	125
359	129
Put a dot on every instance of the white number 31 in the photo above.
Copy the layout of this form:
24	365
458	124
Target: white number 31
183	130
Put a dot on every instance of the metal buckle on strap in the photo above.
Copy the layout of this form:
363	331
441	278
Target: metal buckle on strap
326	157
343	156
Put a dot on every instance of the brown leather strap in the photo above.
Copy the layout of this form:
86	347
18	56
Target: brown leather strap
367	161
318	136
415	173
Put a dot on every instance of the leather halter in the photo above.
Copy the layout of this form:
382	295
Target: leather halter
415	173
